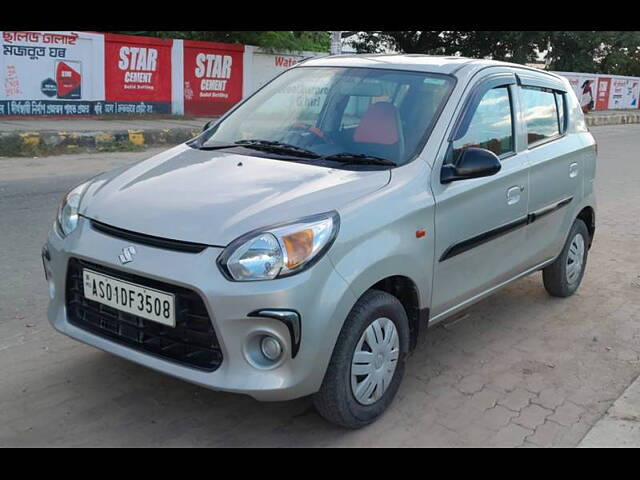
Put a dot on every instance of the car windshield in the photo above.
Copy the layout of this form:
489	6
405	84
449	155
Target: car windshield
345	114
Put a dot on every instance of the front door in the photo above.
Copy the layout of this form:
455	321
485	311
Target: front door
480	223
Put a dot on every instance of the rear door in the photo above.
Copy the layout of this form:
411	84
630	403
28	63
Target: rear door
479	223
554	163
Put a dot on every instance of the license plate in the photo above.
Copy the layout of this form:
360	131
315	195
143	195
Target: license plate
131	298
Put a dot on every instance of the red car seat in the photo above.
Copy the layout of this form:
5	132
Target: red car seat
380	132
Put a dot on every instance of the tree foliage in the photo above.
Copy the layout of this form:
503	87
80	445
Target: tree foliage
269	40
579	51
616	53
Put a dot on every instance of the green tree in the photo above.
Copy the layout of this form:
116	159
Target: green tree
620	53
574	51
517	47
577	51
616	53
269	40
427	42
513	46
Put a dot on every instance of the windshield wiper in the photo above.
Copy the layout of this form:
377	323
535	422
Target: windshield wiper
213	147
264	145
359	158
277	147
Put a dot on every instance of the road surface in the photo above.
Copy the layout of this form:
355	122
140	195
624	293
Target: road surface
518	369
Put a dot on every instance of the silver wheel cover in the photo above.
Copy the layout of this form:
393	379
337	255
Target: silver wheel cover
374	361
575	258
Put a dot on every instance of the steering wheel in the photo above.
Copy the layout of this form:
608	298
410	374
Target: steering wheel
310	134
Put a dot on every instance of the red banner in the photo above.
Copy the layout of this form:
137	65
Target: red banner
137	68
602	94
212	77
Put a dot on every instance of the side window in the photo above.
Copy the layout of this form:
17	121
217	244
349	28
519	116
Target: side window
540	114
560	104
490	127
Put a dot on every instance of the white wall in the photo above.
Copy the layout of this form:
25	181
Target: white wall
264	66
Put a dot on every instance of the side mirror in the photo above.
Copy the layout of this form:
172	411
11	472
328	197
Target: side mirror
473	163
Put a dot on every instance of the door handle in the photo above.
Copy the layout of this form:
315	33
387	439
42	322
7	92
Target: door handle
573	170
513	194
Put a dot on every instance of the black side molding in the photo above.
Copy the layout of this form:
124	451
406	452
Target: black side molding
533	216
485	237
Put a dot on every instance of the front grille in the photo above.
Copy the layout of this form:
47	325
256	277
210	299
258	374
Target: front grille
192	342
158	242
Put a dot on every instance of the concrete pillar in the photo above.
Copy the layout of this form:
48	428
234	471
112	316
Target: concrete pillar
177	77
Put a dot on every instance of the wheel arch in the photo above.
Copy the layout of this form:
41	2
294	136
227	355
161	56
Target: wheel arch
406	291
588	216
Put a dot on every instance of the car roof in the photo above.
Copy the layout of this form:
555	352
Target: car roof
448	65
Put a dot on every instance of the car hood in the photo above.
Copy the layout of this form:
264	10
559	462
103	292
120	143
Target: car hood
213	197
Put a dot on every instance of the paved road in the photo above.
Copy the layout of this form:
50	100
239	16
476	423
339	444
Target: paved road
519	368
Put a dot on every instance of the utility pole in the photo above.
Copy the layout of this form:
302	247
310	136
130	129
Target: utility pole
336	43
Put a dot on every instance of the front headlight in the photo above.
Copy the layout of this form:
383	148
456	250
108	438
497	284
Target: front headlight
69	208
281	250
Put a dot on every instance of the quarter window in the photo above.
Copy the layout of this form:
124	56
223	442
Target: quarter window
540	114
490	127
561	107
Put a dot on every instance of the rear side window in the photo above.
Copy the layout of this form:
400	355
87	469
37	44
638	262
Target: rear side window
540	114
490	127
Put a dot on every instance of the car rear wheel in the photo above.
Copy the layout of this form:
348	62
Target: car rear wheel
368	362
562	278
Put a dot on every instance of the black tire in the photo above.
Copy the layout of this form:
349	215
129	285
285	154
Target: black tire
554	276
335	401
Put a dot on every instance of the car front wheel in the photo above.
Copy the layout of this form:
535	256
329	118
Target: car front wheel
368	362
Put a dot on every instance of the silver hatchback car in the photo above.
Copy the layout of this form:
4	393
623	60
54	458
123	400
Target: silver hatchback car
298	244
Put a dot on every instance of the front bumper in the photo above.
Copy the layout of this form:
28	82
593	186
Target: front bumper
320	296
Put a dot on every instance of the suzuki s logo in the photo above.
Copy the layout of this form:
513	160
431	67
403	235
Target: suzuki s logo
127	255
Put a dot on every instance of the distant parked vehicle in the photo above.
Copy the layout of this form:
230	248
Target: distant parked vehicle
298	245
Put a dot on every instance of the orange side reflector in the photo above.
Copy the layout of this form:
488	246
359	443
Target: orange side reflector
420	233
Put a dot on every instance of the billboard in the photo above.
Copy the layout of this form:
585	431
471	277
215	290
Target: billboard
624	93
68	73
584	86
213	75
610	91
603	92
138	71
50	73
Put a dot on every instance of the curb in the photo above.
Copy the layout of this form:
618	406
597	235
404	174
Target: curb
621	118
32	143
620	425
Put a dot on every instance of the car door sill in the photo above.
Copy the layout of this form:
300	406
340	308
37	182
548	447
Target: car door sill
447	313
